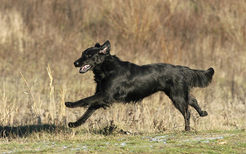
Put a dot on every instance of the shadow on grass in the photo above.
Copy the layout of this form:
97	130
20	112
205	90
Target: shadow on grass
23	131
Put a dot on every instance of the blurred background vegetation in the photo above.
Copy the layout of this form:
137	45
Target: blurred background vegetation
40	39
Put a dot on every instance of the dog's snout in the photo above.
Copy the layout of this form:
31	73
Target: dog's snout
76	64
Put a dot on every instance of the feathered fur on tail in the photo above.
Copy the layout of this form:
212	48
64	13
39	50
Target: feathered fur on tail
201	78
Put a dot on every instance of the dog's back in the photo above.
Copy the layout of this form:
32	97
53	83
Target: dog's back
129	82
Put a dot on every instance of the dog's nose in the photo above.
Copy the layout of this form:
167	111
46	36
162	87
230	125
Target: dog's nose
76	64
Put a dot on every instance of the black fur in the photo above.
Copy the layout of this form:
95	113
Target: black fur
122	81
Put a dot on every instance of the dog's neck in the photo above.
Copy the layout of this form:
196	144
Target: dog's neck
106	68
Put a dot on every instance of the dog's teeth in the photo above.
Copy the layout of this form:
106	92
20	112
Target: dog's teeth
84	68
80	69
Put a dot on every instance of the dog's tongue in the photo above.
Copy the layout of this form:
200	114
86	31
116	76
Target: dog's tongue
84	69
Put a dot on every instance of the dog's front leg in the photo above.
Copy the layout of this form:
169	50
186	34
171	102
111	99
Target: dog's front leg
93	107
84	117
85	102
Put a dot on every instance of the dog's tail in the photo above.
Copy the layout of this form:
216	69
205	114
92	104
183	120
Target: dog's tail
201	78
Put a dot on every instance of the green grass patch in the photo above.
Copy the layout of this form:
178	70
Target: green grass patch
172	142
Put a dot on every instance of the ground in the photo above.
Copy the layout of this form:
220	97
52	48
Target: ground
231	141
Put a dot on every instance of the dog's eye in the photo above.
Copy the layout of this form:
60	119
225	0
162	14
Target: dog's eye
89	56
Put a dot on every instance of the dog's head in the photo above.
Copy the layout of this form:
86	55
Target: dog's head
92	57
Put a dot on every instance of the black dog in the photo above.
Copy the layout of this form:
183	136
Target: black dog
122	81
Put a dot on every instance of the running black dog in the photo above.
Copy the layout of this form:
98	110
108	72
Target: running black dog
122	81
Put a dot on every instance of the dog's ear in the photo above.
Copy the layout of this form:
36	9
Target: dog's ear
105	48
97	45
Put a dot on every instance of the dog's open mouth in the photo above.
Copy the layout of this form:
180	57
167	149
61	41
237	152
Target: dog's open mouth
84	68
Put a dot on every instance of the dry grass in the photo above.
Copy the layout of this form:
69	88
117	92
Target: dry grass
39	40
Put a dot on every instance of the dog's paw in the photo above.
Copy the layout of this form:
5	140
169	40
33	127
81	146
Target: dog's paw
187	128
69	104
204	113
105	106
73	124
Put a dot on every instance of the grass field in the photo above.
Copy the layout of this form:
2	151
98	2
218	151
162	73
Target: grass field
167	142
40	39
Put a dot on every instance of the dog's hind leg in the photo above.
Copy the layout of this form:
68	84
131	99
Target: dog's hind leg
179	97
182	106
194	104
84	117
181	103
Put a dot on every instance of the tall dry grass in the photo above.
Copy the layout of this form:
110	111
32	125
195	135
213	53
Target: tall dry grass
39	40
